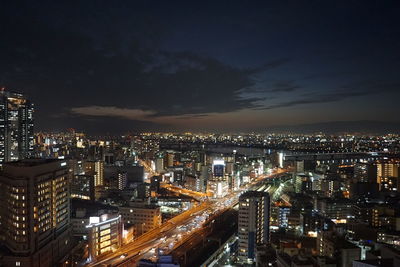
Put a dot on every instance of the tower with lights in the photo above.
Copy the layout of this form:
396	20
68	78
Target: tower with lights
16	126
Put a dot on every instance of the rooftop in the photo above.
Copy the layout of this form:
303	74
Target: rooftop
30	162
249	194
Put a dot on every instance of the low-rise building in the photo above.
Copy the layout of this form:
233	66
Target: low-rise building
144	215
105	234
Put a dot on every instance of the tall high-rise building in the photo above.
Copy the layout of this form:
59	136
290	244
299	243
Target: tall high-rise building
16	126
35	212
388	169
159	165
253	227
389	175
203	178
170	157
95	167
122	180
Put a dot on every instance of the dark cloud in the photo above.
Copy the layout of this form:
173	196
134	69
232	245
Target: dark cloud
65	70
274	87
358	89
142	62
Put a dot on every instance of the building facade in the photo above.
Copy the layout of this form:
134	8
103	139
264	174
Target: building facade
97	169
105	234
142	215
16	127
35	212
253	227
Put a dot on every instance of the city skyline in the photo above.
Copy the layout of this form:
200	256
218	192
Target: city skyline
130	66
199	133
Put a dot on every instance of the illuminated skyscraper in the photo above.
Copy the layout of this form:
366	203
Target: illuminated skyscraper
34	212
254	216
16	126
96	168
388	175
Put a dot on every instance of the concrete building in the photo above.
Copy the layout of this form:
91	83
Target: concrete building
253	227
331	245
143	215
105	234
159	162
388	176
193	183
122	180
283	214
96	168
339	209
35	212
218	170
82	186
365	172
170	160
203	178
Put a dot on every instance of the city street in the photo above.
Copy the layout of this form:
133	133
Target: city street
169	235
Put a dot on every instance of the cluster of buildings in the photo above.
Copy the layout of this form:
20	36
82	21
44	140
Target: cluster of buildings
68	198
341	211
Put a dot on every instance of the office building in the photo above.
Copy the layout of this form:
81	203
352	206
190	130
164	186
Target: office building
253	227
82	210
143	215
363	189
388	176
122	180
170	160
331	245
16	127
105	234
155	184
193	183
82	186
159	165
338	209
283	214
142	191
218	169
277	159
76	166
35	212
203	178
217	189
95	167
388	169
365	172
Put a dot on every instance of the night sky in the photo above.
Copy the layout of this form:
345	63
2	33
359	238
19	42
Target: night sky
115	66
